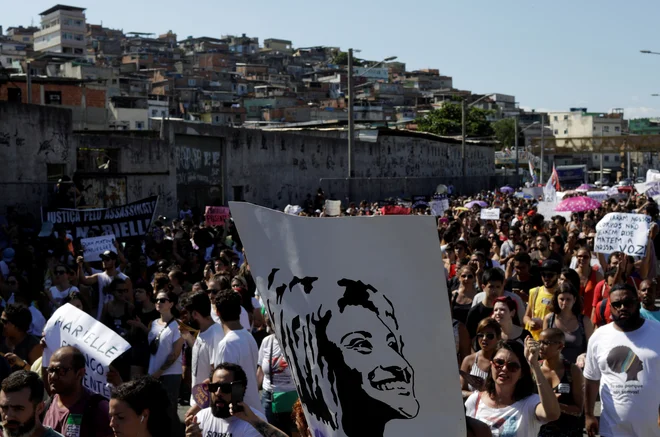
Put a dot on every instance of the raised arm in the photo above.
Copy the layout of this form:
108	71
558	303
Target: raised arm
548	410
87	280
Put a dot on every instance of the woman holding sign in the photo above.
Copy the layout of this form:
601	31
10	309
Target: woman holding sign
165	344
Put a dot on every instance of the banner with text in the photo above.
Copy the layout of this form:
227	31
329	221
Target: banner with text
216	215
130	220
490	214
627	233
69	326
93	247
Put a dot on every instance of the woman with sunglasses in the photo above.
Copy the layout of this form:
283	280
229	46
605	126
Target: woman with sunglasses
165	344
590	276
461	299
61	288
475	367
504	310
567	316
508	404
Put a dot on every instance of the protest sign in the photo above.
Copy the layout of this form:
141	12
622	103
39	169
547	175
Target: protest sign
600	196
547	209
130	220
333	208
652	175
627	233
650	189
216	215
343	323
490	214
93	247
438	207
69	326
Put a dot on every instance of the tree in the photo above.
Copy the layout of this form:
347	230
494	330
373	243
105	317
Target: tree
341	58
505	133
447	121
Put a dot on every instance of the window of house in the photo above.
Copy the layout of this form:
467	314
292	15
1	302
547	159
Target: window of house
556	132
78	51
217	118
556	118
139	125
565	131
95	160
78	37
14	95
616	158
192	82
565	117
606	128
78	22
53	97
55	172
26	39
154	112
617	129
606	158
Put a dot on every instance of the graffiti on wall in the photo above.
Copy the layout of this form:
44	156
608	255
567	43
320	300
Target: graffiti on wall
194	165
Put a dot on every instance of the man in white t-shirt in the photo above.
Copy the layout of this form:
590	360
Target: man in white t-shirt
214	287
623	361
224	417
110	272
238	346
198	308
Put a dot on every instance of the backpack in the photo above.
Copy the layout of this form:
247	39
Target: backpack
86	423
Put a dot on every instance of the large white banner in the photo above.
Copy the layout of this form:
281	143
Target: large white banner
69	326
368	332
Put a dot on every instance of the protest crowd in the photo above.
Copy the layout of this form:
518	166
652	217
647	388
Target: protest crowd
551	313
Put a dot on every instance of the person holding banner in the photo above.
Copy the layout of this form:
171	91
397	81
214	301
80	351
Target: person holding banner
103	279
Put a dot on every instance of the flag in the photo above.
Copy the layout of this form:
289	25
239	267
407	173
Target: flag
555	178
551	188
531	172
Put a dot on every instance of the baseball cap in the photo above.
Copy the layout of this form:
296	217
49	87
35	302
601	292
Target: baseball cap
551	265
108	254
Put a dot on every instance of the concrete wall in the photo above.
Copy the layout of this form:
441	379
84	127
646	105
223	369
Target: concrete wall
146	167
276	168
31	137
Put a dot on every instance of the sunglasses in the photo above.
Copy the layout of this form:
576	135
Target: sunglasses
623	303
549	343
61	371
162	300
511	366
224	387
548	274
467	276
489	336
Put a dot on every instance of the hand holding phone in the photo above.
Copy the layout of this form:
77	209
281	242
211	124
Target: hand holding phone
237	392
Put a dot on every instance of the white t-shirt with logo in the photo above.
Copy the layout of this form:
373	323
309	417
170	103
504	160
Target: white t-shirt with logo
212	426
59	296
168	337
239	347
517	420
628	367
277	373
203	352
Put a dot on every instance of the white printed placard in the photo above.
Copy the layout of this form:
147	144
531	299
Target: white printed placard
438	207
333	208
627	233
95	246
69	326
351	332
490	214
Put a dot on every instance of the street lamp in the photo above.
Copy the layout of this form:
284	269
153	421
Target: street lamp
649	52
351	125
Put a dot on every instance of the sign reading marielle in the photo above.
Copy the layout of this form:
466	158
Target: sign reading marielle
69	326
627	233
131	220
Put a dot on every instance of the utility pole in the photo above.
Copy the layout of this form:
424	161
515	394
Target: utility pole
463	109
515	130
601	154
542	145
351	126
28	80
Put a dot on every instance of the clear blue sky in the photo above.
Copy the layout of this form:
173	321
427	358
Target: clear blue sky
550	55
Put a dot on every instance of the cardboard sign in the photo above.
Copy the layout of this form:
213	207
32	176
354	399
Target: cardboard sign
93	247
438	207
547	209
627	233
69	326
351	332
333	208
216	215
490	214
130	220
650	189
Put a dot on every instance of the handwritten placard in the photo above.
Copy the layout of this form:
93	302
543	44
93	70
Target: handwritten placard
438	207
95	246
627	233
216	215
333	208
490	214
69	326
